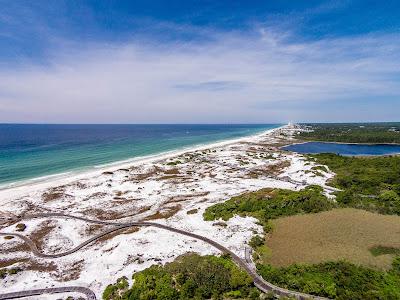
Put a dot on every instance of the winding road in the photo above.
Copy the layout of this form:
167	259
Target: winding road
259	282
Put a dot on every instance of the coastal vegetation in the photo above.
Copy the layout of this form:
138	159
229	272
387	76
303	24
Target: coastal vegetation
5	272
174	163
383	250
356	235
370	183
268	204
353	133
190	276
20	227
306	254
346	248
304	223
338	251
336	279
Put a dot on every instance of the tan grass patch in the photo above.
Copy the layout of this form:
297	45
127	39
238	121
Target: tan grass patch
30	264
54	194
181	198
165	213
20	247
72	272
93	229
101	214
110	215
167	177
173	171
96	195
116	233
176	179
275	169
34	265
333	235
38	236
7	218
144	209
150	173
79	185
9	262
270	170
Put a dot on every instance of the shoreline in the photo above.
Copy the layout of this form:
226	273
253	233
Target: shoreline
150	190
47	181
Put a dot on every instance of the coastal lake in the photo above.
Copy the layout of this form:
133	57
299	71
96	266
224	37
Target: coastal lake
344	149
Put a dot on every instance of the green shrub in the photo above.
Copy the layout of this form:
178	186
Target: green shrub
21	227
256	241
188	277
338	280
116	291
11	271
269	204
3	273
174	163
370	183
320	168
389	196
396	266
382	250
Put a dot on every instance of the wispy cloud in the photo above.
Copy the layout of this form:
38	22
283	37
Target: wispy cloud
211	86
229	77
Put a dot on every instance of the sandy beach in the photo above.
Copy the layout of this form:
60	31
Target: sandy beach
172	189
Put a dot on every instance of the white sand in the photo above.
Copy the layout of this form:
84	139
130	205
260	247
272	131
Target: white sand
205	176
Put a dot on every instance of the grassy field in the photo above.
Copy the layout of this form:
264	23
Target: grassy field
346	233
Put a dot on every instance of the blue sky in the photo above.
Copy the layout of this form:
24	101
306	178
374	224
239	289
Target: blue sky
199	61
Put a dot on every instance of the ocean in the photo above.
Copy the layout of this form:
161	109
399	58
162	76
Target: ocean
29	151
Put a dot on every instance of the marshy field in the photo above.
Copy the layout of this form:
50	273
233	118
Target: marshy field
358	236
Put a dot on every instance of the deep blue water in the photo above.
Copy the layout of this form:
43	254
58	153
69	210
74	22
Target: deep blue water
31	151
344	149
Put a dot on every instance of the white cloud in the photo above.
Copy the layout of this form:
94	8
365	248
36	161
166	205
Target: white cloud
231	77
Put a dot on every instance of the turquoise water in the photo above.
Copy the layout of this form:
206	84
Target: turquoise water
32	151
344	149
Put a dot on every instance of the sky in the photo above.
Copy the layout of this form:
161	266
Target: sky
270	61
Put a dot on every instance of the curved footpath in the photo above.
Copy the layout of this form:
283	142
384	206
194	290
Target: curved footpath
259	282
67	289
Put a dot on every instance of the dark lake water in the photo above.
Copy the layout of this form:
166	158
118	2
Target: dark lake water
344	149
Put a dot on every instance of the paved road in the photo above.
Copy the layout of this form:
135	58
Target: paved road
67	289
258	280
